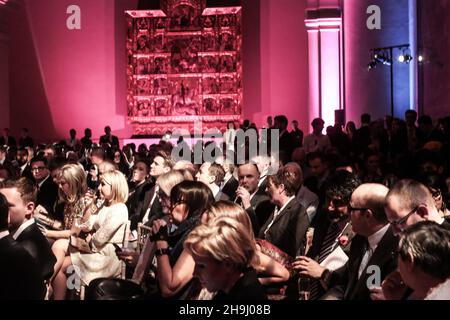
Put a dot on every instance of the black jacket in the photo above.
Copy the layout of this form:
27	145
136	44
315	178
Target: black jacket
19	272
288	229
32	240
345	280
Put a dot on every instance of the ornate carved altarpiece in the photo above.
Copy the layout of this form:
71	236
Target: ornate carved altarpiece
184	65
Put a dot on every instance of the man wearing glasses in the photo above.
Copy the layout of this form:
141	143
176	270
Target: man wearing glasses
47	193
407	203
371	249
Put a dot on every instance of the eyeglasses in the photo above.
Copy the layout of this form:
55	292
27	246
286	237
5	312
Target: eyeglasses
337	203
38	168
351	209
403	220
436	194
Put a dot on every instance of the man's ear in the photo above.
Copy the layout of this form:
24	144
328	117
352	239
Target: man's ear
30	209
368	213
423	212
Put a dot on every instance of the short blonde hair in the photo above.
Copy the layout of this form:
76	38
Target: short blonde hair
169	180
119	185
231	210
225	240
75	176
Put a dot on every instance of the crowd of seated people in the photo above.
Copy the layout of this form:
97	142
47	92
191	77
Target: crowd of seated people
326	209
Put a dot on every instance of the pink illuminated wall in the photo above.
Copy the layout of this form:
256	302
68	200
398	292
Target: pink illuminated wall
62	79
275	60
325	52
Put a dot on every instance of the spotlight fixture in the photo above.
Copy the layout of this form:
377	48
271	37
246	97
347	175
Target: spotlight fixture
386	56
420	58
372	65
382	58
405	57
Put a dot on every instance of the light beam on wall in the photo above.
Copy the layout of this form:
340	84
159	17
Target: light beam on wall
325	56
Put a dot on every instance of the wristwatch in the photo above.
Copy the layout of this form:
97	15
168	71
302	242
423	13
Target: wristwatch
161	252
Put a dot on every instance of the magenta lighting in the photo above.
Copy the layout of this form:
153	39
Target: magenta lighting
2	2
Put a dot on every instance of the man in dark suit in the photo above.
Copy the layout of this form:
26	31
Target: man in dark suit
23	165
332	224
286	227
25	140
212	175
407	203
6	139
362	139
151	207
21	196
371	250
256	203
47	193
19	272
110	139
230	184
287	142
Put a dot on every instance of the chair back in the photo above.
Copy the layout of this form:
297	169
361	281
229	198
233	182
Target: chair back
143	233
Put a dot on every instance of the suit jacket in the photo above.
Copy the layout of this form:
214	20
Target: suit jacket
135	202
220	196
114	142
47	196
11	141
288	229
230	188
155	210
19	273
32	240
260	210
345	279
27	173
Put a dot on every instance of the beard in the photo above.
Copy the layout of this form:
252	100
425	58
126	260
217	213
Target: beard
335	216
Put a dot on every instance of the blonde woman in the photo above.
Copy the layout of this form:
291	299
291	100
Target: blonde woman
71	180
106	229
269	271
224	251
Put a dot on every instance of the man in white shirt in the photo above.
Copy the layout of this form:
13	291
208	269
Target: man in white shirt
21	196
372	248
317	141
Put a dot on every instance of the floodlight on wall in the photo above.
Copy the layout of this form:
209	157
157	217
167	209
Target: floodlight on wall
385	56
405	56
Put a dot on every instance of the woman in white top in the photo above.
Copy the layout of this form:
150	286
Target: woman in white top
107	228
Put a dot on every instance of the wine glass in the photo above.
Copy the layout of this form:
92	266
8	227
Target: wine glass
304	288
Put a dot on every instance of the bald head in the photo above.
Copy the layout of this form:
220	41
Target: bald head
372	196
367	208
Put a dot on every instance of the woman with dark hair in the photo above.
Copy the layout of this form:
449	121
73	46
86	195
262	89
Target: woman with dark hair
438	189
189	199
120	162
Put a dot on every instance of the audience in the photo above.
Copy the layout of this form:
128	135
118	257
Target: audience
314	187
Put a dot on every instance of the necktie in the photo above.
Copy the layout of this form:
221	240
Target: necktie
327	247
365	259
